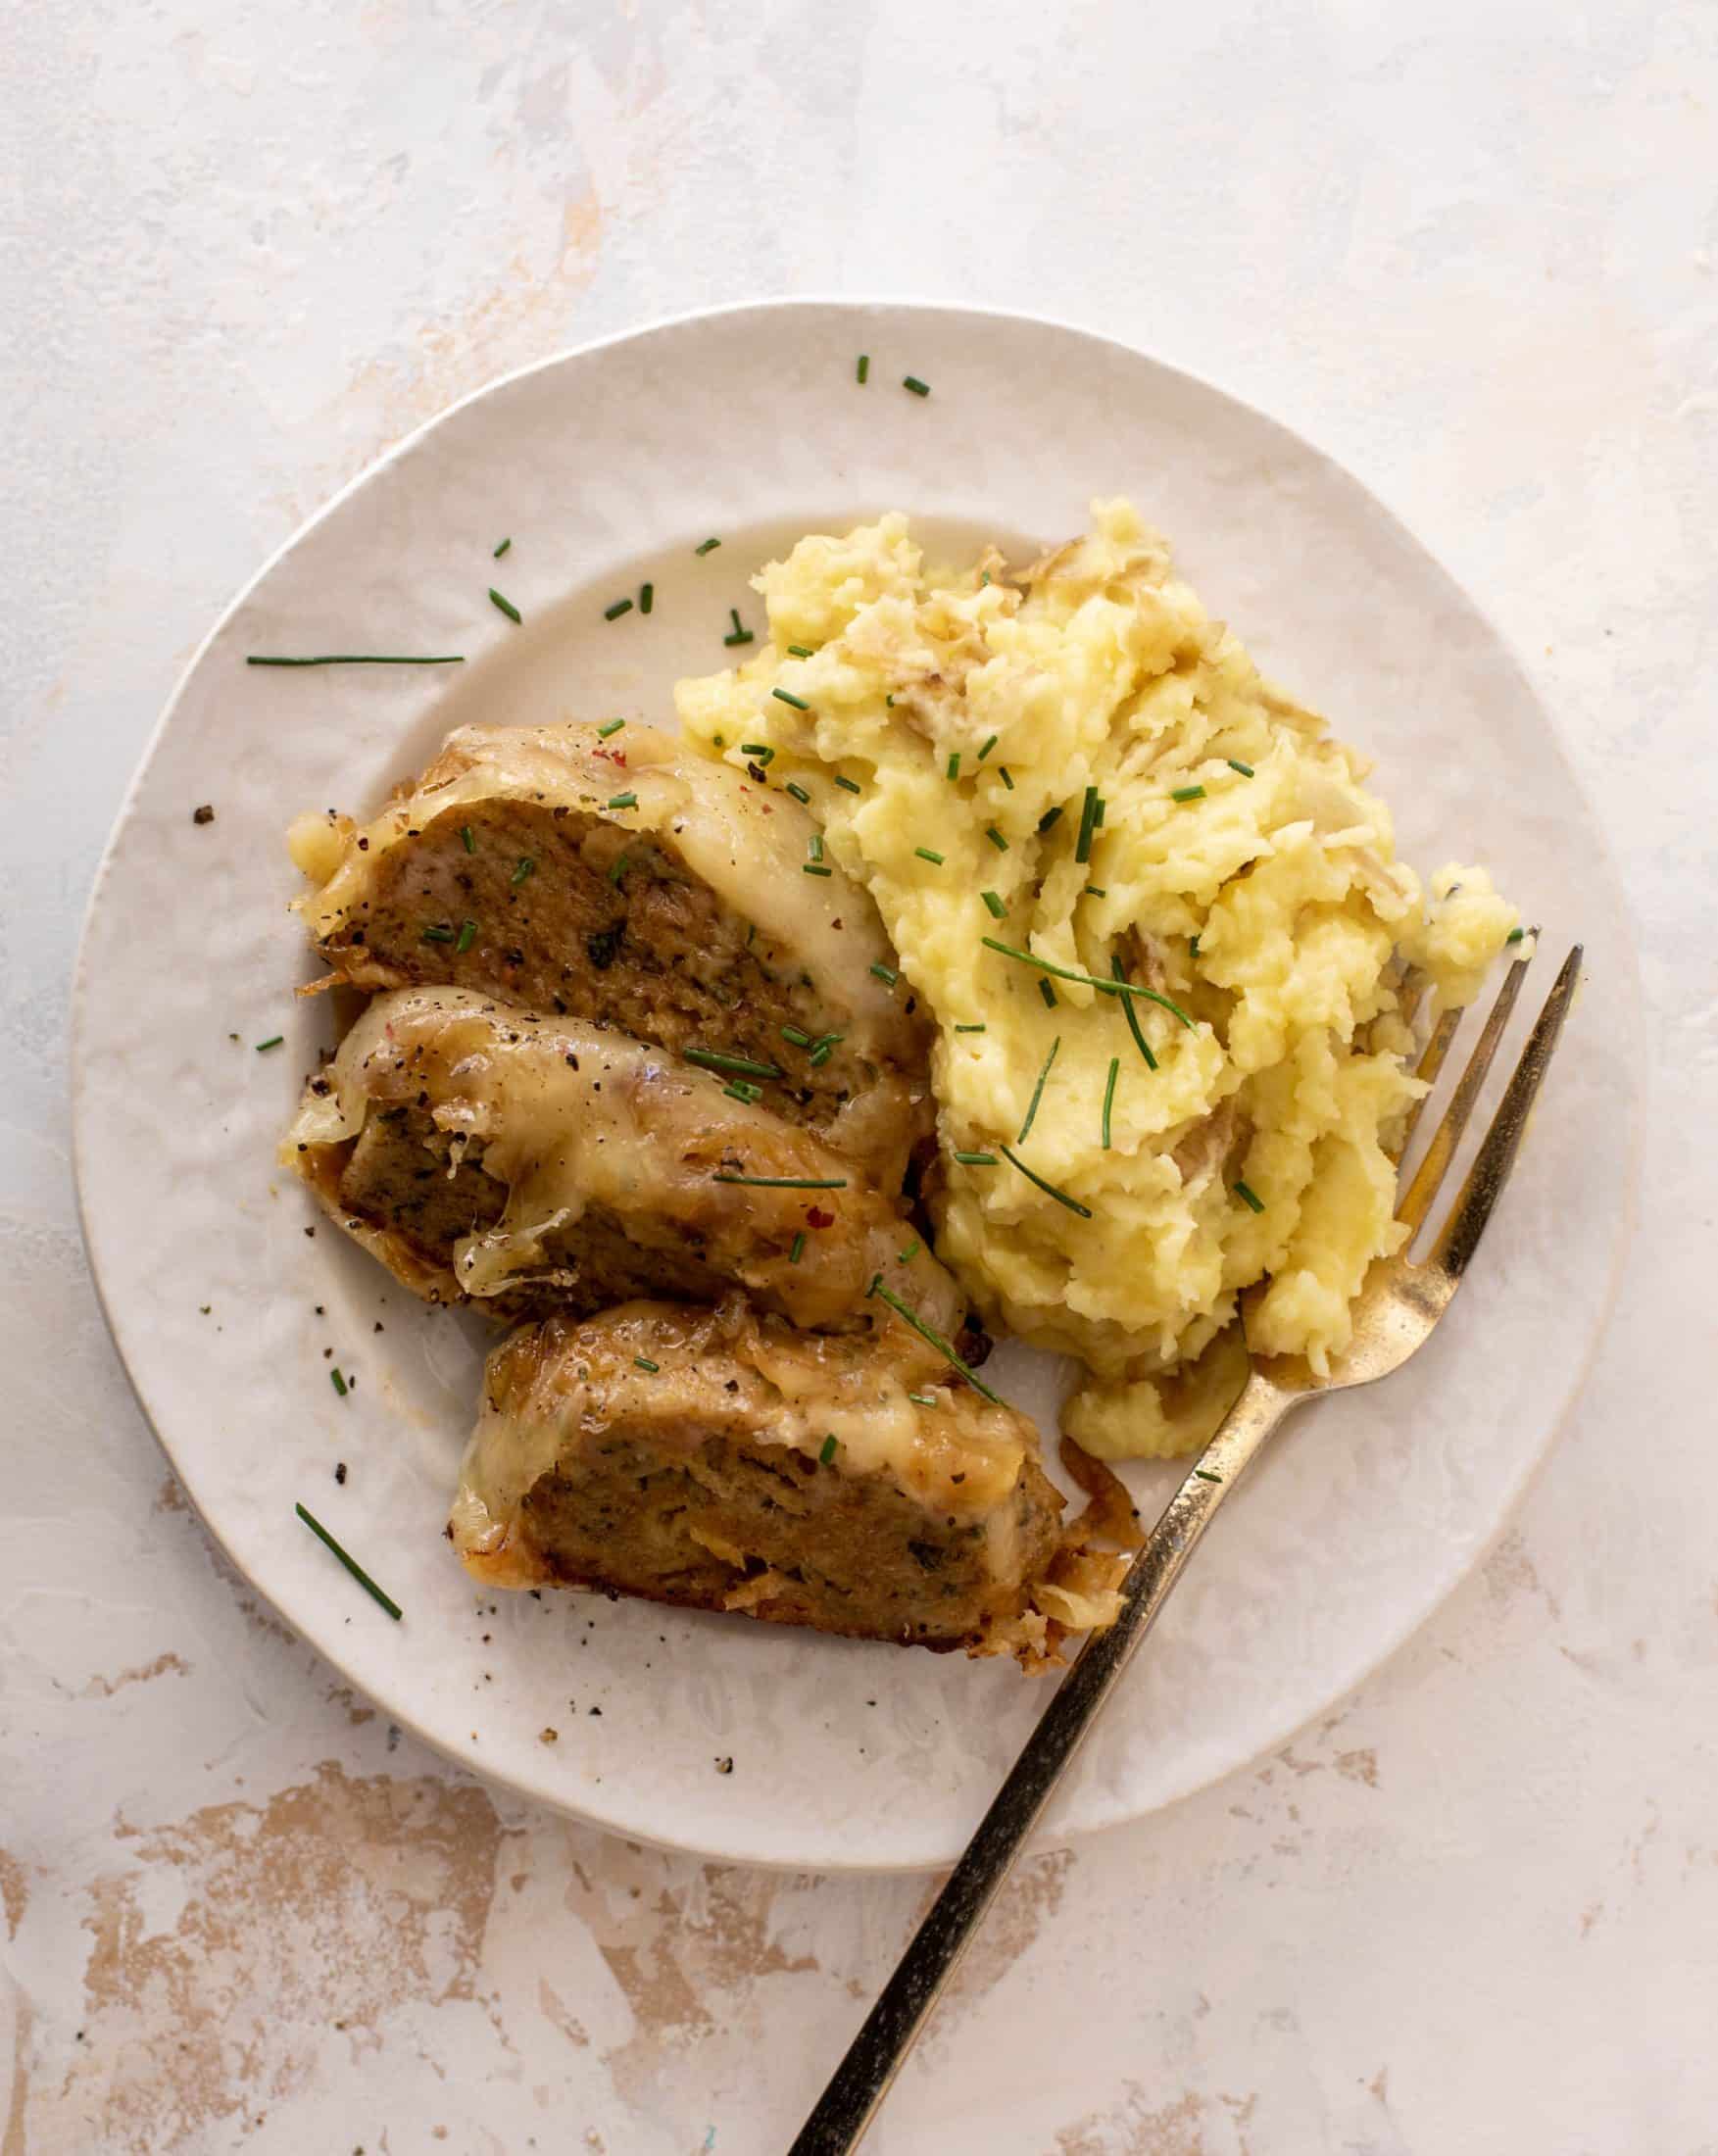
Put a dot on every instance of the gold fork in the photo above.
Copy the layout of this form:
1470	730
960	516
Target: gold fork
1401	1301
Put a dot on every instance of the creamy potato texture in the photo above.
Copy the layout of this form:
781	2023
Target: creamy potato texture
1078	764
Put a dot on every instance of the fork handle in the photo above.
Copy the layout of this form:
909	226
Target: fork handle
860	2082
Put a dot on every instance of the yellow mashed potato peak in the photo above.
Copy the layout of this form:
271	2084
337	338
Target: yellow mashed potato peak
1076	763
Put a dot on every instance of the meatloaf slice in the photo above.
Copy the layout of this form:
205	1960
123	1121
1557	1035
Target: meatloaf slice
723	1460
532	1163
628	884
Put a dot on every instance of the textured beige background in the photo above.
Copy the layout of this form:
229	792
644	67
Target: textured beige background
1470	251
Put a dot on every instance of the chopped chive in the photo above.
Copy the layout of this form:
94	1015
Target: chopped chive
612	727
977	1160
1006	775
647	598
758	751
356	1570
816	868
740	636
357	658
623	800
709	547
734	617
786	696
506	604
1050	816
1048	994
1103	812
970	1029
798	792
1250	1196
1117	987
643	1363
922	1399
984	580
935	1340
527	867
797	1250
338	1382
1246	770
1133	1019
907	1256
1515	935
1109	1097
862	371
988	747
1188	793
467	937
1038	1092
830	1040
501	550
1088	824
1048	1189
466	840
996	838
827	1451
924	854
1205	1476
620	607
795	1037
743	1088
821	1053
801	651
438	935
738	1067
1193	947
885	973
888	702
848	785
618	871
274	1041
954	770
814	846
997	910
1096	891
912	382
785	1182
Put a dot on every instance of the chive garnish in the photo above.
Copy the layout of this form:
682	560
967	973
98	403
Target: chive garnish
786	696
795	1037
954	770
709	547
613	726
1246	770
970	1029
357	658
814	846
528	867
924	854
466	840
623	800
912	382
1095	891
797	1250
977	1160
862	371
996	838
885	973
798	792
1048	1189
467	937
1103	811
1133	1020
1193	946
935	1340
821	1053
1515	935
988	747
743	1088
1205	1476
1117	987
274	1041
801	651
848	785
740	636
734	617
502	549
828	1041
1048	994
738	1067
816	868
922	1399
997	910
786	1182
1006	775
506	604
338	1382
356	1570
647	598
620	607
1188	793
1088	824
1038	1090
1050	816
827	1451
907	1256
758	751
643	1363
1109	1097
1250	1196
618	871
438	935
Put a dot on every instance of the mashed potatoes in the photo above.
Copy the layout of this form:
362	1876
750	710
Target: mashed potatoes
1077	764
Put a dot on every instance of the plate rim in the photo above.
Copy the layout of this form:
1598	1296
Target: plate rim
1391	1639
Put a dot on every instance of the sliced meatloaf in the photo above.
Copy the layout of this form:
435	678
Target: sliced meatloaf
531	1163
628	884
723	1460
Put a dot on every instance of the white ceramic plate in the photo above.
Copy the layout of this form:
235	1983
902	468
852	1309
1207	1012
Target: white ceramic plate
607	466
